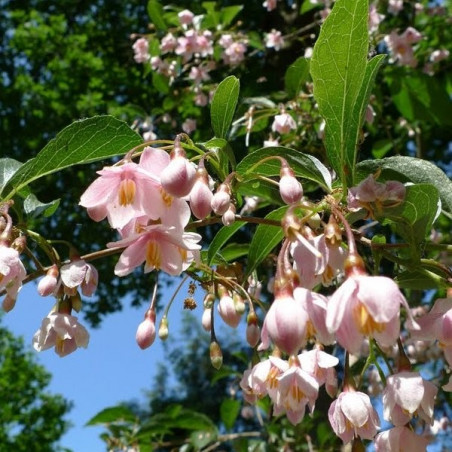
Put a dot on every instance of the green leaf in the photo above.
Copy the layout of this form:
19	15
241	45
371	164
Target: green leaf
233	251
410	169
296	75
304	165
34	208
229	410
83	141
8	167
415	279
228	14
261	188
222	236
160	83
202	438
155	12
414	217
381	148
265	239
342	81
113	414
225	154
223	106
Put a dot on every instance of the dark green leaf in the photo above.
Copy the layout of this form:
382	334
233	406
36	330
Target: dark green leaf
233	251
7	169
229	410
339	74
296	75
155	12
113	414
34	208
304	165
413	170
228	13
81	142
416	279
222	236
381	148
223	105
265	239
160	82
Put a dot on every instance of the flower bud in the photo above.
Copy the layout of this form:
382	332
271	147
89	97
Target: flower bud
239	304
228	217
179	176
216	356
221	199
290	189
208	300
226	308
145	335
8	303
48	284
163	328
206	319
253	332
201	195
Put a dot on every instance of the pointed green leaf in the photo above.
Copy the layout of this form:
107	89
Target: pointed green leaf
229	410
265	239
416	279
304	165
81	142
228	14
222	236
155	12
8	167
34	207
296	75
410	169
338	69
113	414
223	106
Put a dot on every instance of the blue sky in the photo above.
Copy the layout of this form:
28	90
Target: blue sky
112	369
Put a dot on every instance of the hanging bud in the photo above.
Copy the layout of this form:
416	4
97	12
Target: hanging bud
221	199
290	189
226	308
8	303
178	177
206	319
253	332
145	335
19	243
228	217
216	356
163	328
201	195
48	284
208	300
239	304
314	221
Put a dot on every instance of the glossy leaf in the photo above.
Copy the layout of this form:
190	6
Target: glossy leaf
296	75
81	142
265	239
222	236
112	414
34	207
340	76
155	12
228	14
413	170
304	165
416	279
8	167
229	410
223	106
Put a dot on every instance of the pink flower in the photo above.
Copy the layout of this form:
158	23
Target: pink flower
198	74
395	6
270	4
283	123
437	325
274	40
400	439
120	194
141	50
12	272
221	199
227	310
160	247
61	331
234	54
400	48
189	125
352	414
79	273
290	188
168	43
439	55
185	17
201	195
285	324
374	18
365	306
407	394
146	333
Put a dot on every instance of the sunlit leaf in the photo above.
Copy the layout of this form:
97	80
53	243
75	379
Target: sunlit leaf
223	105
222	236
113	414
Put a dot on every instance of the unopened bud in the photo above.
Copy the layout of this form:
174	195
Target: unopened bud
163	328
208	300
290	188
48	284
201	195
221	199
239	304
226	308
216	356
206	319
228	217
19	243
145	335
253	332
314	221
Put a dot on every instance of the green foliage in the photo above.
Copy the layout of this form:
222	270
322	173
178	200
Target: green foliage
30	417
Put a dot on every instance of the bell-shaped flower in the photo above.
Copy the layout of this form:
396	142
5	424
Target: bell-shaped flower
221	199
79	273
120	193
407	394
399	439
49	283
365	306
285	323
12	273
352	414
160	247
61	331
437	325
283	123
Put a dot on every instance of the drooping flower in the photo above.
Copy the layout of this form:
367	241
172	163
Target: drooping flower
352	414
407	394
62	331
400	439
12	272
79	273
49	283
141	50
283	123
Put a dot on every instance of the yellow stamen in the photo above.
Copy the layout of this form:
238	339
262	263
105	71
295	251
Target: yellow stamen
167	199
183	254
272	378
126	194
153	255
297	393
365	322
